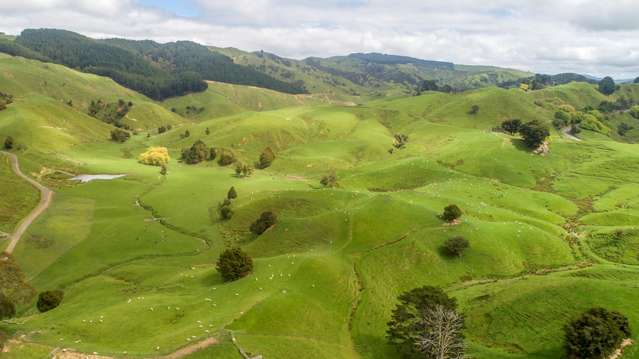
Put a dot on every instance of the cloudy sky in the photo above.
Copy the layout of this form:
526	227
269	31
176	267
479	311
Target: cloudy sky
595	37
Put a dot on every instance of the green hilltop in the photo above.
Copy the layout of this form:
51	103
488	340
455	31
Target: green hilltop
550	235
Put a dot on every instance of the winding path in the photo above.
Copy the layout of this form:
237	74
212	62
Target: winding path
46	195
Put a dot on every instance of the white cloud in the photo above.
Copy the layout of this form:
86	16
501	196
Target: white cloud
588	36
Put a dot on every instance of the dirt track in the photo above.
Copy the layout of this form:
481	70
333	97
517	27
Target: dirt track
46	195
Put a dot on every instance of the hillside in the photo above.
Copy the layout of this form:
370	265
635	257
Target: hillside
550	236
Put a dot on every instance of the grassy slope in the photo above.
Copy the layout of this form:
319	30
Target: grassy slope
327	275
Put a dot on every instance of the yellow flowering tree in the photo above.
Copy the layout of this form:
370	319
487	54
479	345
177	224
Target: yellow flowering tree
155	156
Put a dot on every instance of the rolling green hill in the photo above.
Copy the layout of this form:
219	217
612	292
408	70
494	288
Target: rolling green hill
550	236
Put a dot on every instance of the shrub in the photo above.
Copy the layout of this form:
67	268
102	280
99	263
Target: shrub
456	246
49	300
534	133
161	129
212	153
231	194
225	211
197	153
207	131
266	159
243	170
119	135
329	180
155	156
451	213
607	86
622	128
400	140
234	264
595	334
8	143
225	157
474	110
413	317
511	126
163	170
7	308
267	220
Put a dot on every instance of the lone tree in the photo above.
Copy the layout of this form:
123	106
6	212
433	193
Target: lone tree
7	308
8	143
474	110
456	246
425	324
232	194
225	210
451	213
50	299
267	220
534	133
163	170
329	180
266	159
119	135
234	264
511	126
225	157
596	334
607	86
400	141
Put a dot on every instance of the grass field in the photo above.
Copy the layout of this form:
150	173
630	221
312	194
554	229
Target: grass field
550	235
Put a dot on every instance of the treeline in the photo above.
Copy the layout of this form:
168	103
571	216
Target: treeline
156	70
541	81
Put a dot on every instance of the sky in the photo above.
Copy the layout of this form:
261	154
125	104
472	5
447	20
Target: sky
596	37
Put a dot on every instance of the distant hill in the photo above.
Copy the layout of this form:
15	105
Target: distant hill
371	74
156	70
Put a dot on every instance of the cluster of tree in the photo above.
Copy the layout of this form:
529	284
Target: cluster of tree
597	333
634	112
540	81
224	209
163	129
186	134
266	159
534	133
8	143
607	86
330	180
620	104
400	141
265	221
155	156
110	112
118	135
425	324
99	57
623	127
193	110
200	152
5	99
588	119
234	264
190	57
432	85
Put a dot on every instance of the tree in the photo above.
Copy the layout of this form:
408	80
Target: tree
411	327
207	131
456	246
234	264
225	157
442	334
50	299
622	128
163	170
155	156
474	110
225	211
451	213
534	133
636	81
161	129
119	135
607	86
267	220
266	159
7	308
8	143
232	194
511	126
212	153
595	334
